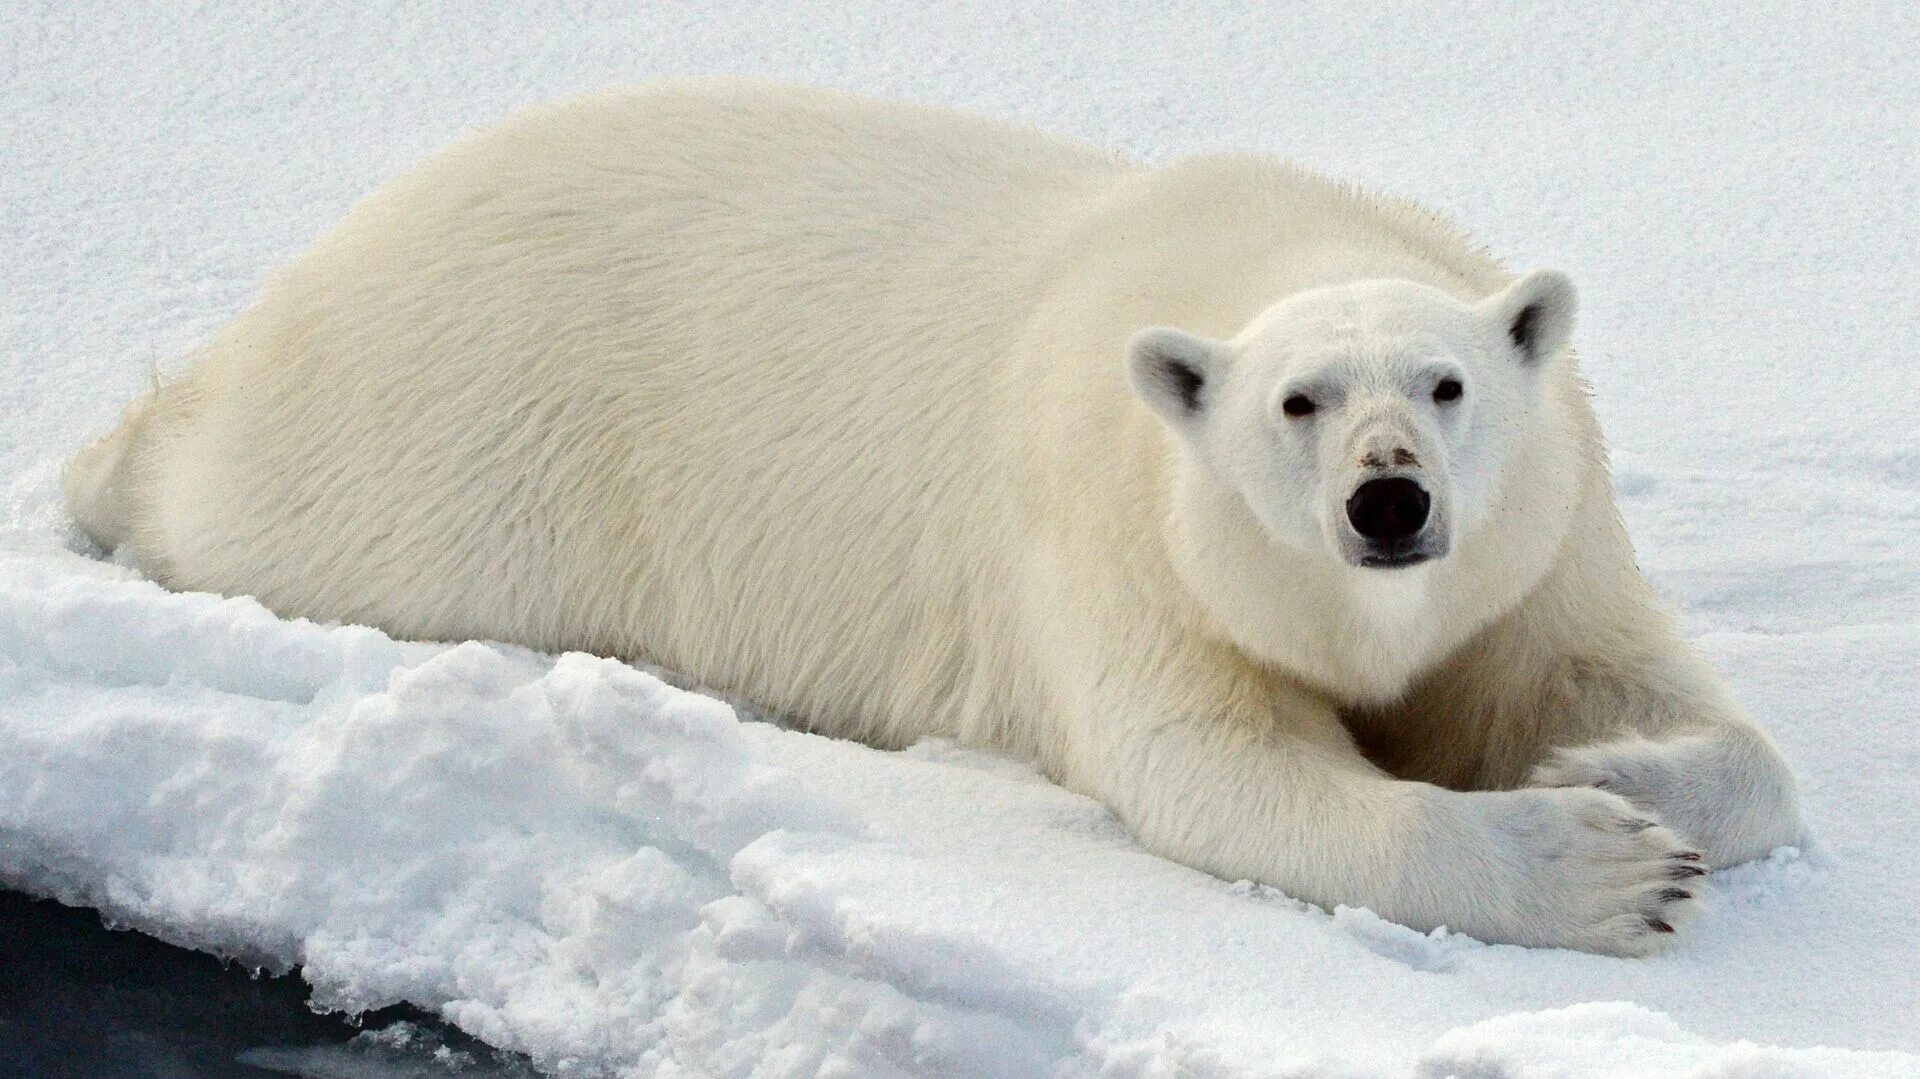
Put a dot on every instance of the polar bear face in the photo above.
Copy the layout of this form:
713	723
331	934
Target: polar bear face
1369	423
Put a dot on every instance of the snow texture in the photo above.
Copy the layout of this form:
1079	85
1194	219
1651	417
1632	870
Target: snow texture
569	857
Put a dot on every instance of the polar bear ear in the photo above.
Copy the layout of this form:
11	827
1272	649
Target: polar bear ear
1536	312
1173	372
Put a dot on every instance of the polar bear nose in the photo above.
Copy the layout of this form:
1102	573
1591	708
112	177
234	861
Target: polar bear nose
1388	510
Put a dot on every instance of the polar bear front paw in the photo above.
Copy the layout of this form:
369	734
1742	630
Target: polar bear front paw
1597	873
1731	795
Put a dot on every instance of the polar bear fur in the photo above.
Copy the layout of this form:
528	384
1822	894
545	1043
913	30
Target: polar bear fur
878	415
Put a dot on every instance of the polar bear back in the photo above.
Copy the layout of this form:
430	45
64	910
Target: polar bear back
686	373
784	388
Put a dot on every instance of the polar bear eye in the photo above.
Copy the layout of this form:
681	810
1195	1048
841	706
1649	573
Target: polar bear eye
1449	389
1297	405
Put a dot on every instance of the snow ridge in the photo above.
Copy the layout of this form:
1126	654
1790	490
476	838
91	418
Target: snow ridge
571	858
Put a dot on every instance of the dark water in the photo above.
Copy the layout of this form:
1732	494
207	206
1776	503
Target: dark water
79	1000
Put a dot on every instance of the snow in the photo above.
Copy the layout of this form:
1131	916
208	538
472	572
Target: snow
572	858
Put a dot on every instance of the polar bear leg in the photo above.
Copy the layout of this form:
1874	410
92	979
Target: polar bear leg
1719	781
1224	771
1649	723
1584	687
1652	726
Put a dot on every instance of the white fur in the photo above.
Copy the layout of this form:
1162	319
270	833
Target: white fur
825	402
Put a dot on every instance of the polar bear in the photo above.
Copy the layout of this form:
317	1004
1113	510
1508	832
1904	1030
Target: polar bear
1269	513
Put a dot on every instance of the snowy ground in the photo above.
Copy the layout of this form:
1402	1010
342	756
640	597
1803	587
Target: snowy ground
568	857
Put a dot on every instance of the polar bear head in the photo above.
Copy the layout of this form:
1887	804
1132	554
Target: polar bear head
1369	423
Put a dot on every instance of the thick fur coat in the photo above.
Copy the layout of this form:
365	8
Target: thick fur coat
845	407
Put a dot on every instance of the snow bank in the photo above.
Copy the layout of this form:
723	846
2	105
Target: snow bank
572	858
564	856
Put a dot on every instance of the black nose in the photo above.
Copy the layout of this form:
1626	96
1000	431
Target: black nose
1388	510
